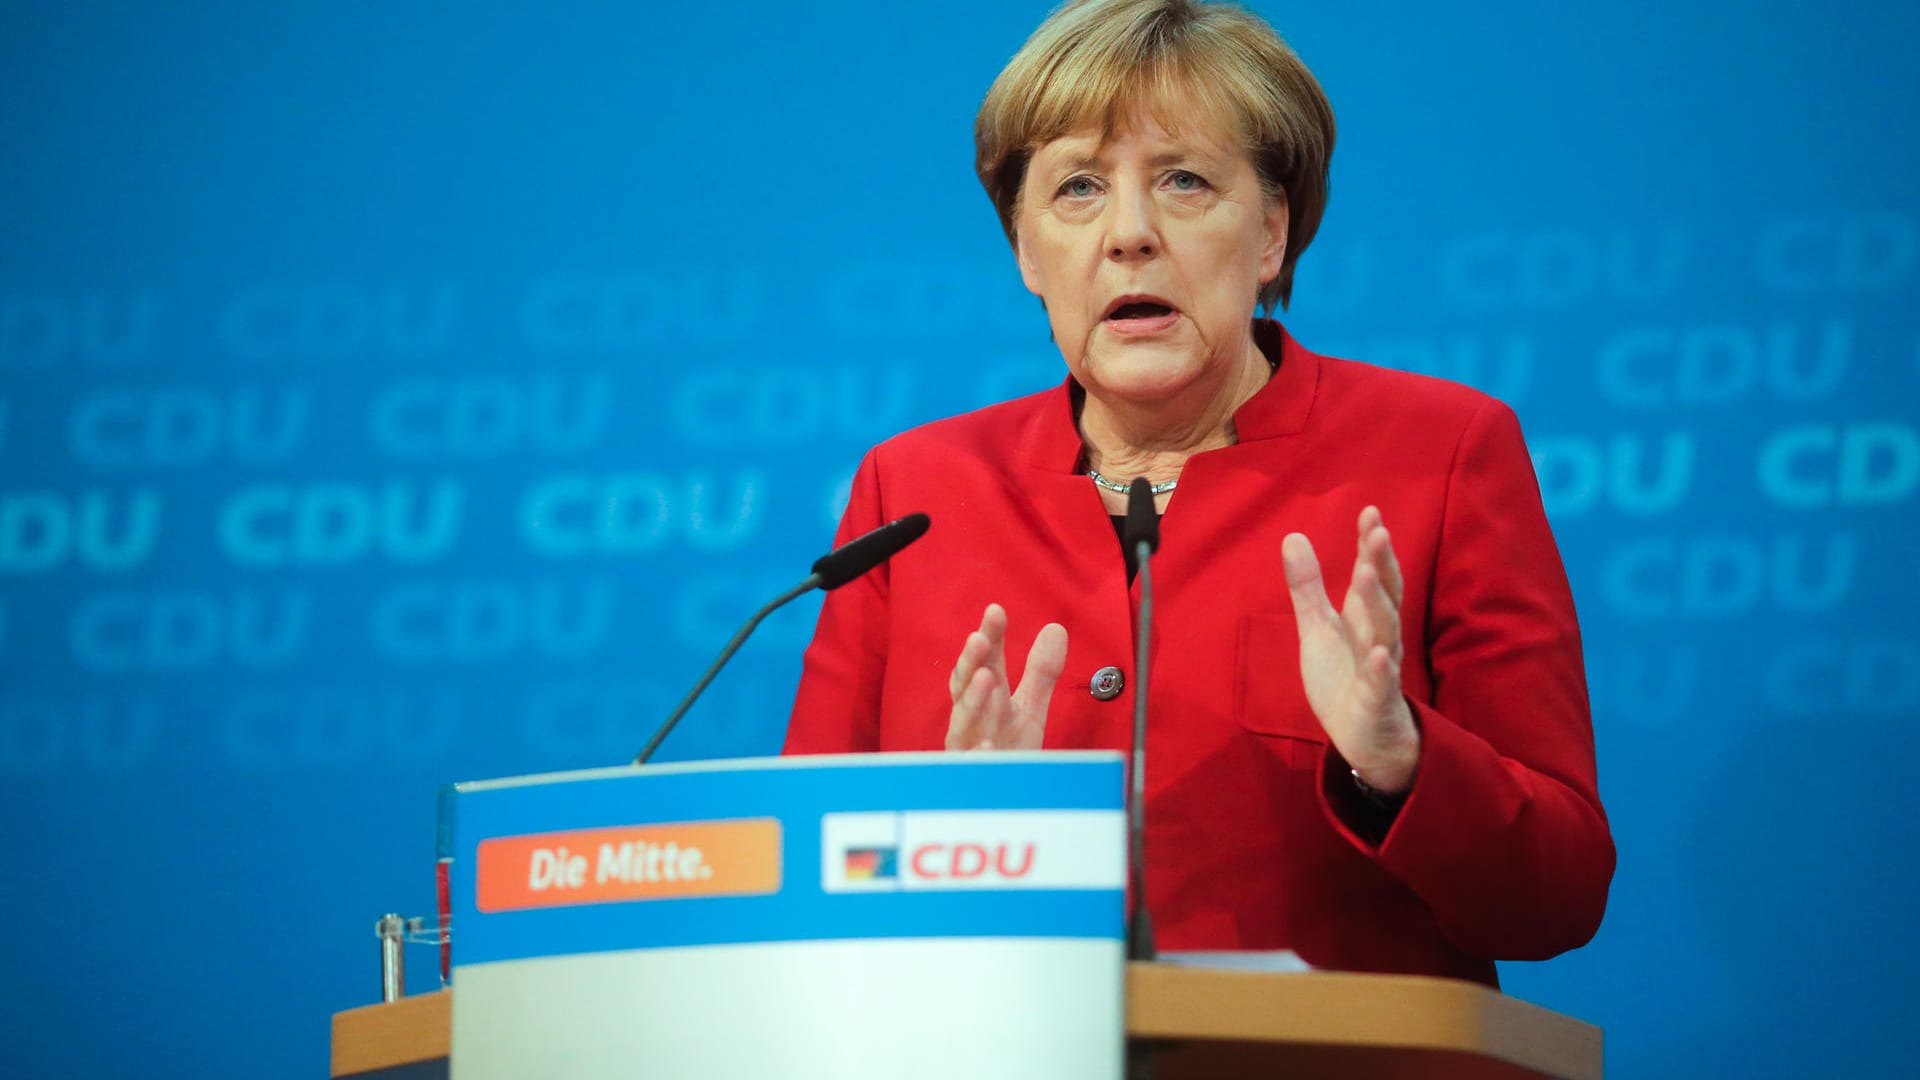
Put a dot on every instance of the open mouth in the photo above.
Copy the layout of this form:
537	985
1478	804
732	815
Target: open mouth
1140	309
1140	315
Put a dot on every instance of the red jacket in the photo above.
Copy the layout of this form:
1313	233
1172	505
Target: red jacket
1254	840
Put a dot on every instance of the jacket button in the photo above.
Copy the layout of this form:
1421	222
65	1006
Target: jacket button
1107	683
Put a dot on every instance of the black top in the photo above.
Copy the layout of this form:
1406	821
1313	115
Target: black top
1120	534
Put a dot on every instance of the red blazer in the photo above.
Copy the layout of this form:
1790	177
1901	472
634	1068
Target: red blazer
1255	840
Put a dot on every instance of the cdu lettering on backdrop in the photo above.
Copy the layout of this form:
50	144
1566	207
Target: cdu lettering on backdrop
484	416
94	733
332	320
323	523
98	530
1877	677
584	312
177	629
189	426
1867	252
296	727
469	621
1811	466
1501	367
100	329
1721	577
724	407
1713	364
585	514
1632	474
1557	267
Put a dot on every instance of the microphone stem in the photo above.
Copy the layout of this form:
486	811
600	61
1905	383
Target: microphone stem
811	583
1140	929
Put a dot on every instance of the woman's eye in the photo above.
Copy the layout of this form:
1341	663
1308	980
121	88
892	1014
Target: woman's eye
1079	187
1185	181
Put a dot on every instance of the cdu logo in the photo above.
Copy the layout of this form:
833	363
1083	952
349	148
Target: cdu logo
1813	466
100	735
321	524
1556	267
471	621
128	428
920	299
1715	364
488	416
1720	577
1873	677
101	329
175	629
1868	252
305	727
722	407
583	514
330	320
873	864
918	850
574	312
1633	474
43	530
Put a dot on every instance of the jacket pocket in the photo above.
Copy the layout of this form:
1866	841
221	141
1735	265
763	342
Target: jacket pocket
1268	698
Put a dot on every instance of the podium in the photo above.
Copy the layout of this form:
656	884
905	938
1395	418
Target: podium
1199	1025
907	914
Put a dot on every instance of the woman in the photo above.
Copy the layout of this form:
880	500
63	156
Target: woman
1405	783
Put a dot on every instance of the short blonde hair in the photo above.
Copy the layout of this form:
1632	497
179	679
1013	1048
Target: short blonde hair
1095	62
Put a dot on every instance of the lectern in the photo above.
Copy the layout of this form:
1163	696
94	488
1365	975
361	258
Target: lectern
885	915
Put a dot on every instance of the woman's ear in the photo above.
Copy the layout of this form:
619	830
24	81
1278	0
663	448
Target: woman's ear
1274	255
1029	274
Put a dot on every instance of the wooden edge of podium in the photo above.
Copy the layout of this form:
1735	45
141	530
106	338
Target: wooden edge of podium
1169	1002
1347	1008
417	1028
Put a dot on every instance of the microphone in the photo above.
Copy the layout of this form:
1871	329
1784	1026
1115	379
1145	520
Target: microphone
830	571
1141	534
863	553
1142	524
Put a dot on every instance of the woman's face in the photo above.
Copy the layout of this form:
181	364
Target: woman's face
1149	249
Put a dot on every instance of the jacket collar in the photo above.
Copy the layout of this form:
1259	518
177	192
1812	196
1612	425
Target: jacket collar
1279	409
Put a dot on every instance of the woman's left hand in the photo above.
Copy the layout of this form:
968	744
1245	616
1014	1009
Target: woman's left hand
1350	659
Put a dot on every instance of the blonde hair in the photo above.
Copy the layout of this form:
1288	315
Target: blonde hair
1099	62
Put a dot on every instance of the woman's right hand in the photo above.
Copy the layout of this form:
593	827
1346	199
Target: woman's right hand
986	714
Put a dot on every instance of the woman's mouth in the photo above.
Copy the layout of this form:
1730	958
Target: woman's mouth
1136	318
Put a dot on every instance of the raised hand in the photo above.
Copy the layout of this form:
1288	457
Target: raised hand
986	714
1350	659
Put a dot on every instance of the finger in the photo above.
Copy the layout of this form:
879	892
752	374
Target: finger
977	651
1370	520
1311	608
1355	610
1379	545
1379	681
1383	621
969	725
1045	661
993	626
962	671
973	656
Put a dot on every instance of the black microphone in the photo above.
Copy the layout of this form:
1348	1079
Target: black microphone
863	553
1143	523
830	571
1141	534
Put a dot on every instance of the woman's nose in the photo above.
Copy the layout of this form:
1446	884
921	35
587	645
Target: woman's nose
1130	229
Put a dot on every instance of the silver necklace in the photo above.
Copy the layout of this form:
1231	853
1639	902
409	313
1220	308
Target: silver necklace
1160	488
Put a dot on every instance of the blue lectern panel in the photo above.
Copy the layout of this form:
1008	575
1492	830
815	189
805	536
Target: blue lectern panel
879	846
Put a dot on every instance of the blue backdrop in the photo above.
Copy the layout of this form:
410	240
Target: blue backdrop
400	394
